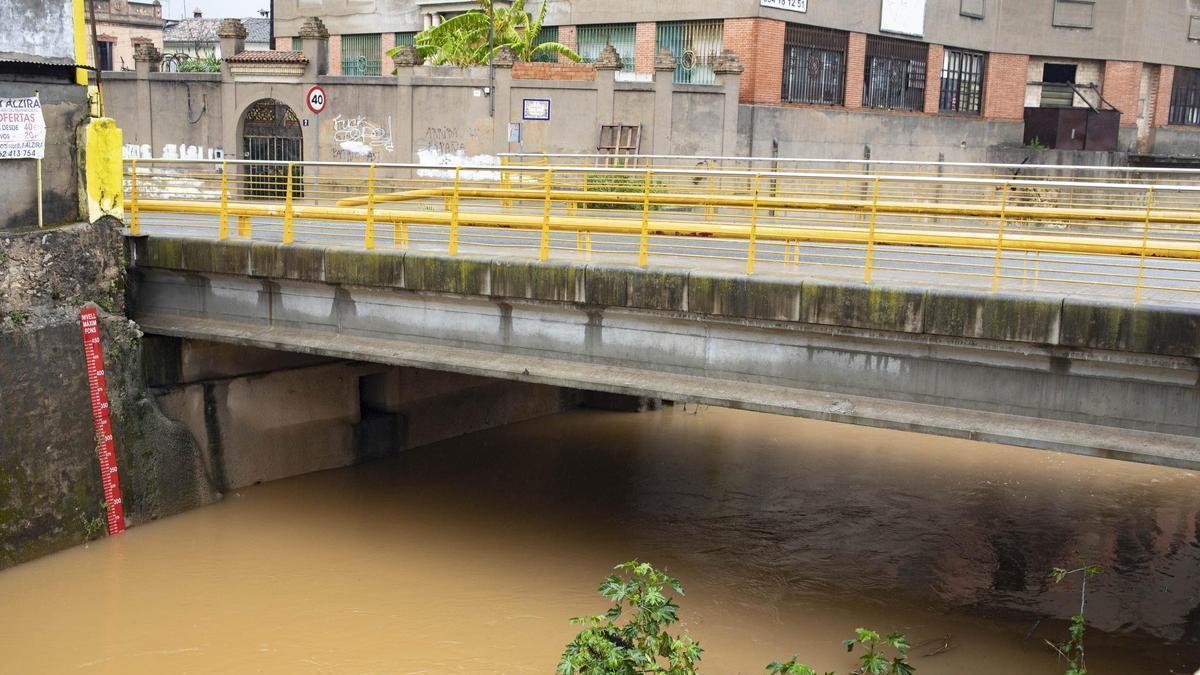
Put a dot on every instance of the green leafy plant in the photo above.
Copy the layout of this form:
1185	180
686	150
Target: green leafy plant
643	643
204	64
792	667
621	183
18	317
873	662
93	526
465	40
1036	144
1072	649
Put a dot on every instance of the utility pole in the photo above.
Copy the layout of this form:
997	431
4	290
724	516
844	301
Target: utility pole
491	59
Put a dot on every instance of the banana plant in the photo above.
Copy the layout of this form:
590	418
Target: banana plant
465	40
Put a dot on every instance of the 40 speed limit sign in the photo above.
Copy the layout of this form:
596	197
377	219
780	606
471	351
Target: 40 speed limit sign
316	100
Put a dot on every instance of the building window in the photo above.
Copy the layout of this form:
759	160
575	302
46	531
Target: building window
592	39
695	46
894	78
546	34
962	82
104	55
1073	13
407	39
297	44
1185	97
361	54
1057	81
814	65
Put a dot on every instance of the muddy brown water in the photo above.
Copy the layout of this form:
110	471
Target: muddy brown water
471	556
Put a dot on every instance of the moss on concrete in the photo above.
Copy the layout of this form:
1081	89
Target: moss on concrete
466	275
993	316
1146	328
861	306
364	268
746	297
550	280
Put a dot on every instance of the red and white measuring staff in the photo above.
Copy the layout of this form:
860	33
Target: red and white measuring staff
90	321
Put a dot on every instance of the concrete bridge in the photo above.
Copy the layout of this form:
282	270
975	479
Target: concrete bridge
1111	378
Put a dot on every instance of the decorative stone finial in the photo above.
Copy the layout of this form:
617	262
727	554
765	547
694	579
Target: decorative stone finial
146	51
727	63
664	60
407	56
609	59
231	28
313	27
505	57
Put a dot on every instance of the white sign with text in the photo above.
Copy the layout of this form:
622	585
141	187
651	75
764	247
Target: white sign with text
22	128
793	5
906	17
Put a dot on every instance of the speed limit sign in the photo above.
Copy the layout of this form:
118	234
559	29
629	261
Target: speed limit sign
316	100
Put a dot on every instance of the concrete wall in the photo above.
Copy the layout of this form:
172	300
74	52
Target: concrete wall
43	28
64	107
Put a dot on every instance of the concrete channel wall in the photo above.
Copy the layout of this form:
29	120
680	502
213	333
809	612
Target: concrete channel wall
1063	373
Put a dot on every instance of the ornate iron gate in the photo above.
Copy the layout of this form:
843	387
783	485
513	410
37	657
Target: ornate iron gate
271	133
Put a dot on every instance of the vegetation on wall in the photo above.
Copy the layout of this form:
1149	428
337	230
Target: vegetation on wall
465	40
205	64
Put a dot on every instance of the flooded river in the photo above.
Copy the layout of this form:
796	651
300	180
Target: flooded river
470	556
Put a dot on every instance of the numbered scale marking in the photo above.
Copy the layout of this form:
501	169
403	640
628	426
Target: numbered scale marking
105	450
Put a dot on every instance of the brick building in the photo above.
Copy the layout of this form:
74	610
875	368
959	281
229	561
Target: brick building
121	25
962	59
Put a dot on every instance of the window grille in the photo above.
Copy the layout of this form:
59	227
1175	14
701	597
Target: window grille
104	53
695	46
406	39
362	54
962	82
1185	97
895	74
547	34
592	39
814	65
297	44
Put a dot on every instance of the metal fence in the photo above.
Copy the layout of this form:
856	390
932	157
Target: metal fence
362	54
1118	239
814	65
591	39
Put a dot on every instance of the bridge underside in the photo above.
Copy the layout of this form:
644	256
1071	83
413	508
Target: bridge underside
1021	371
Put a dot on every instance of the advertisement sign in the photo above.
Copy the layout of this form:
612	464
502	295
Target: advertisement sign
22	128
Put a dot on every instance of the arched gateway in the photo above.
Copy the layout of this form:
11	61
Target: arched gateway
271	133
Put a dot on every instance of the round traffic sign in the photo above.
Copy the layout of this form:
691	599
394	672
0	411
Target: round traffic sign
316	100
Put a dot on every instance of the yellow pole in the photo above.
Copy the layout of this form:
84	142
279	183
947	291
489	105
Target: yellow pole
454	212
544	249
81	41
871	235
287	208
1000	239
369	242
644	245
223	229
1145	240
134	225
243	226
505	182
753	226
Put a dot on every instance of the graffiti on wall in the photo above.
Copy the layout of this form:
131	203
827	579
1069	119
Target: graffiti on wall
172	151
360	138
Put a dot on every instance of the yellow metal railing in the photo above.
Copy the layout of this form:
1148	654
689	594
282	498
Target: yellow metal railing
997	234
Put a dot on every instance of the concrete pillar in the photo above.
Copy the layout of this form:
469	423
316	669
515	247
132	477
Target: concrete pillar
406	60
1122	88
664	90
856	63
146	59
645	45
502	97
232	34
933	79
103	182
758	44
729	71
607	66
314	42
1162	95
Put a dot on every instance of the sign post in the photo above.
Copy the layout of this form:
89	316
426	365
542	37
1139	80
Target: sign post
23	135
316	99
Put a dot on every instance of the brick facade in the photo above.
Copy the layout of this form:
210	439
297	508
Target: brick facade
1162	96
856	64
758	44
933	78
525	70
335	54
1122	88
568	38
387	42
283	43
644	46
1004	86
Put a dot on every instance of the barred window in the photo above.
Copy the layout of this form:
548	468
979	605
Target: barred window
895	74
362	54
592	39
695	46
1185	97
104	53
297	44
546	34
406	39
814	65
962	82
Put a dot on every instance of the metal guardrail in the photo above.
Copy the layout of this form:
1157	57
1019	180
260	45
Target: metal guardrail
1109	237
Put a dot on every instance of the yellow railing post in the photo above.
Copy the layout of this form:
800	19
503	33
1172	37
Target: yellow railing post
223	230
1145	242
454	212
871	232
135	226
753	226
505	183
369	239
644	244
544	248
287	208
243	226
1000	239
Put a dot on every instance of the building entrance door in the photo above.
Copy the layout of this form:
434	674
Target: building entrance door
271	133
